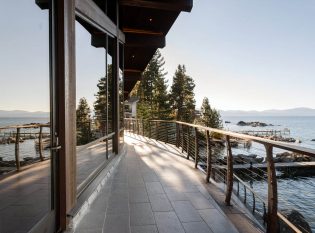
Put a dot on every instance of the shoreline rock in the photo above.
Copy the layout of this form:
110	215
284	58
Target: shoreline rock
296	218
287	157
253	124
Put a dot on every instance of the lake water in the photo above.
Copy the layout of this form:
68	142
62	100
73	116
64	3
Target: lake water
27	148
295	193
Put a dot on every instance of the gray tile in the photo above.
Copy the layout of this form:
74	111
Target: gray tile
144	229
217	222
175	194
186	212
116	223
167	222
150	177
154	188
160	202
118	206
99	230
196	227
138	194
141	214
199	201
93	220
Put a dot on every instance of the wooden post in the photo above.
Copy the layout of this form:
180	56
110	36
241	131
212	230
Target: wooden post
229	175
209	156
17	149
177	135
182	137
138	127
157	130
188	141
166	133
40	143
272	217
196	147
143	133
150	133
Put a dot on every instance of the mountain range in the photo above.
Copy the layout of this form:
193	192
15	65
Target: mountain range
271	112
22	114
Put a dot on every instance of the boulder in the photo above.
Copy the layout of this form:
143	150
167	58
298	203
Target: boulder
244	159
297	219
242	123
287	157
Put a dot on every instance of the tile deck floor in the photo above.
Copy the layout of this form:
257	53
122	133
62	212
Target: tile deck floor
153	190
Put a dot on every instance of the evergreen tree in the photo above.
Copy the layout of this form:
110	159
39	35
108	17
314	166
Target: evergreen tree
83	117
103	100
182	96
210	117
152	91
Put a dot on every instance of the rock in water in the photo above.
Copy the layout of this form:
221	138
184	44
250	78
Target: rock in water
295	218
313	140
242	123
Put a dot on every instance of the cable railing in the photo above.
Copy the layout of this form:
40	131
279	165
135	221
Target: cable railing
227	159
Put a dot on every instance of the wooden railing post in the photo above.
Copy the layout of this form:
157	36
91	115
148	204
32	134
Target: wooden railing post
143	133
166	132
138	127
209	156
196	147
177	135
40	143
188	141
272	217
17	149
229	175
182	137
156	131
150	130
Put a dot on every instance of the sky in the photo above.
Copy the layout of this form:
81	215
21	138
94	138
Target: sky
247	54
244	54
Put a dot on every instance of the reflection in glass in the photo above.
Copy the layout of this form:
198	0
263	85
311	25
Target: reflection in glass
25	165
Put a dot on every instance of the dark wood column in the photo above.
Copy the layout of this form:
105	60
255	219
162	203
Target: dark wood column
115	89
63	101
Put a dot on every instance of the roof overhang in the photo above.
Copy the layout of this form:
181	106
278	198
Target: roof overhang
145	24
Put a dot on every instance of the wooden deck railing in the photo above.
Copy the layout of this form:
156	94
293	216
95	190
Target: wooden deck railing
17	135
199	143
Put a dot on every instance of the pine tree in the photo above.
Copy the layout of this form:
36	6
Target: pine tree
152	90
210	117
182	96
83	117
103	100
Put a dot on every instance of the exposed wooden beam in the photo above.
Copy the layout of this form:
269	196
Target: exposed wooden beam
134	40
91	13
132	74
140	31
43	4
177	5
98	41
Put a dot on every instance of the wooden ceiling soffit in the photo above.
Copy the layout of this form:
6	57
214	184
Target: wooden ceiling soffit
177	5
132	74
140	31
91	13
133	40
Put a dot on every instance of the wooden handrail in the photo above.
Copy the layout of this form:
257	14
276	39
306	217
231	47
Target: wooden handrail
280	145
273	215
